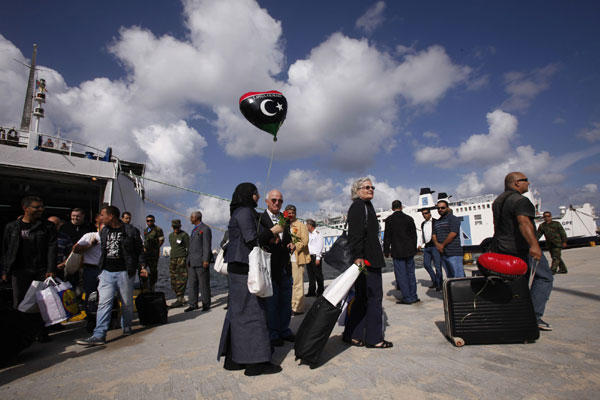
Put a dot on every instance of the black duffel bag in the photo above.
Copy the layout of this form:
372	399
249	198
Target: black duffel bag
315	329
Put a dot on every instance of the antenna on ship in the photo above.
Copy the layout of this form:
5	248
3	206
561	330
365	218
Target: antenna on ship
26	118
40	98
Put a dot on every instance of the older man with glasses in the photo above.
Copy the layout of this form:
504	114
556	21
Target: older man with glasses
279	306
446	231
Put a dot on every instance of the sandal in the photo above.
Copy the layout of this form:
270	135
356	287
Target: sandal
383	345
354	342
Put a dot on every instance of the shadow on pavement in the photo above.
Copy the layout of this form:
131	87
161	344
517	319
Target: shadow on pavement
40	356
579	293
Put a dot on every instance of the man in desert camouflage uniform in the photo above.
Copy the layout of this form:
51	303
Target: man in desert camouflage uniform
180	243
556	240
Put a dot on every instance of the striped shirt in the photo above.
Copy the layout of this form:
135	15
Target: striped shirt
442	228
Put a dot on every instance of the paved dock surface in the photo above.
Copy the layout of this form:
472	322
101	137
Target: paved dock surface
178	360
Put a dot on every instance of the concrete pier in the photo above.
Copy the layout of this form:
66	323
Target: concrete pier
178	360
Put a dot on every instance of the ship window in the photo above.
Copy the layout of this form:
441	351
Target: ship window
488	206
478	220
479	207
470	208
477	216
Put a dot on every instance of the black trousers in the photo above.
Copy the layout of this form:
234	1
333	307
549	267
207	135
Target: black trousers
315	276
366	317
20	284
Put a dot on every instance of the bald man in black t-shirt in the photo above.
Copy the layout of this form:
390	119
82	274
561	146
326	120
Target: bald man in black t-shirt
514	234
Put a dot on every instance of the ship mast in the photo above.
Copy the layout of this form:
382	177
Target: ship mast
26	118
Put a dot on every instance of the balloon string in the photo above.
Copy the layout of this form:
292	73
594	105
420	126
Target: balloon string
270	165
268	178
488	280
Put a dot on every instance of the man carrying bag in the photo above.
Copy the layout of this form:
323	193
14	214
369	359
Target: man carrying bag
29	249
122	255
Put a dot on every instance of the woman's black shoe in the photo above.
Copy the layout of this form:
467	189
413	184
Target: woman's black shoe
262	369
231	365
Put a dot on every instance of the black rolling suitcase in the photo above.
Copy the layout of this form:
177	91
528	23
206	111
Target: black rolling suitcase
315	330
92	313
480	310
152	308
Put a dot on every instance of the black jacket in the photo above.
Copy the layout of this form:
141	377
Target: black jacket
363	233
280	254
132	246
400	235
43	258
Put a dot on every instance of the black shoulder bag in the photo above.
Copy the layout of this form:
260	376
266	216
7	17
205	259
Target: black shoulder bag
339	255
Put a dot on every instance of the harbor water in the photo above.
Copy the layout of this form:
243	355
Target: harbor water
218	282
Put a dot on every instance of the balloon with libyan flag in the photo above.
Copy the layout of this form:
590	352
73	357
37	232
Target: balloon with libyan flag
265	110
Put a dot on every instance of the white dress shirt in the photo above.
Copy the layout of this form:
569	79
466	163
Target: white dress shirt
315	244
425	236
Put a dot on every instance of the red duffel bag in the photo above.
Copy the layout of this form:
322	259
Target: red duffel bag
503	265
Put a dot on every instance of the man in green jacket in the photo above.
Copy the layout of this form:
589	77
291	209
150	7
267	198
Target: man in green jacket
556	240
180	243
153	239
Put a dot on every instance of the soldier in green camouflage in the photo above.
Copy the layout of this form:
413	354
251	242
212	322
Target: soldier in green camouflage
180	243
556	240
153	239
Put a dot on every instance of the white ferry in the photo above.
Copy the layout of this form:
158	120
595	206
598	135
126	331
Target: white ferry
64	173
477	222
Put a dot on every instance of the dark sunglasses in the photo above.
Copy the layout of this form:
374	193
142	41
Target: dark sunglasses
368	187
522	180
276	201
426	212
149	220
442	208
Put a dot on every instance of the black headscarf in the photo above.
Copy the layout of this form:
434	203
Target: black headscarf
242	196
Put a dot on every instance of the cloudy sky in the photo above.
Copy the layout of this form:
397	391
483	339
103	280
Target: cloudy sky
447	95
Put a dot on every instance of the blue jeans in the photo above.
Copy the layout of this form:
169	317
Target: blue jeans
542	285
109	282
429	254
279	307
406	282
454	266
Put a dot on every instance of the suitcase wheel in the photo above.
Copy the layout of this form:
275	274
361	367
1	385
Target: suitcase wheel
458	341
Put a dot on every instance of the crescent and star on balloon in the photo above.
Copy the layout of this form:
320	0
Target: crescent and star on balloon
264	109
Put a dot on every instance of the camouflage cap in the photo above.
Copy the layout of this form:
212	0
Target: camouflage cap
175	222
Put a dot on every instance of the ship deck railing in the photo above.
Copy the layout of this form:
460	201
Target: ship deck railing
59	145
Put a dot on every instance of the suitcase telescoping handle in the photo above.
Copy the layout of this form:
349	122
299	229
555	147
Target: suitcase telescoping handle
535	265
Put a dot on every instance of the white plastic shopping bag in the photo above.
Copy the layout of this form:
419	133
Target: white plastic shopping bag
259	273
339	288
220	264
50	303
29	303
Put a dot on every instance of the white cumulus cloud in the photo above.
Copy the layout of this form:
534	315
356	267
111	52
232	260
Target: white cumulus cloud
372	18
591	134
305	186
478	149
523	87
